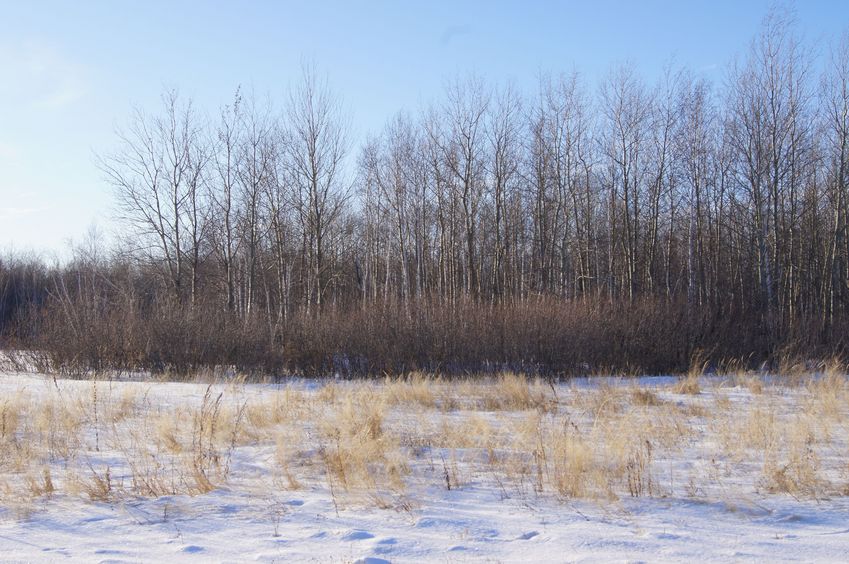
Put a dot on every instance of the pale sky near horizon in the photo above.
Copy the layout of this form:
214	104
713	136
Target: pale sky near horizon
71	72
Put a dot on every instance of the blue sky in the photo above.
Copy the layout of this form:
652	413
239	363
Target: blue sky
71	71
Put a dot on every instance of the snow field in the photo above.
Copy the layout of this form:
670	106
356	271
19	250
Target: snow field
505	469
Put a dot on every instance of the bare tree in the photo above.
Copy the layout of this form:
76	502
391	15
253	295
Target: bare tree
462	148
627	110
223	194
503	132
769	131
695	146
835	100
256	167
315	154
157	173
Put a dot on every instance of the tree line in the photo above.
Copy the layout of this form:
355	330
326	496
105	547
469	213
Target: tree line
714	214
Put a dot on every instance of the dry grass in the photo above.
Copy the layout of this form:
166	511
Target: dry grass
357	454
646	397
384	442
415	388
688	385
513	392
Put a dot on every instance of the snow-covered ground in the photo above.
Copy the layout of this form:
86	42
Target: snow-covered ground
715	509
473	525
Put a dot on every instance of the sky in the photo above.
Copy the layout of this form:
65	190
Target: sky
71	72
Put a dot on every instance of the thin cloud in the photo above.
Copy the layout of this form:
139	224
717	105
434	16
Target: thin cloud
38	75
13	212
8	152
452	32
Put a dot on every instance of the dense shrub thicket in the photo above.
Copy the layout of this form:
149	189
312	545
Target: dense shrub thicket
82	320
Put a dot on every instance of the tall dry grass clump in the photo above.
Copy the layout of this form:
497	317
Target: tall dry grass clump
356	451
508	391
416	388
689	384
